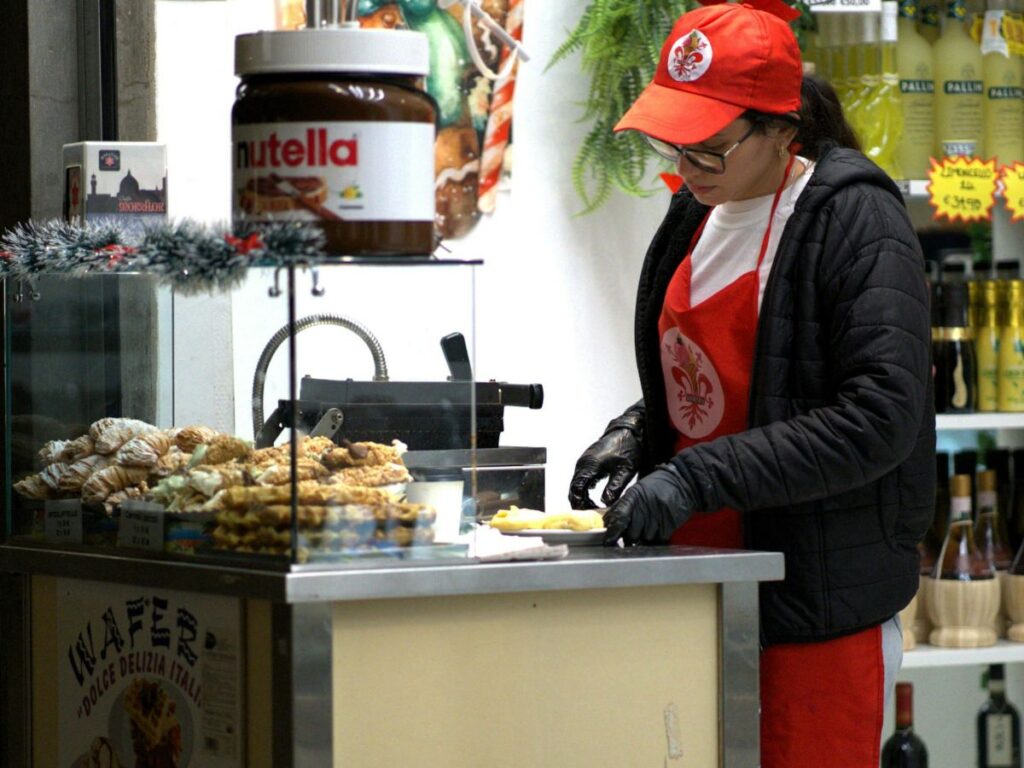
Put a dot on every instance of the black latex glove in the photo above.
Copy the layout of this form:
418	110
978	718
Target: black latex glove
615	455
650	511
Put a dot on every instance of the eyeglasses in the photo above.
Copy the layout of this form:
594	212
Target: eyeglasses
705	160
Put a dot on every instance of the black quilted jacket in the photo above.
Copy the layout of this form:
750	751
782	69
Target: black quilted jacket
837	468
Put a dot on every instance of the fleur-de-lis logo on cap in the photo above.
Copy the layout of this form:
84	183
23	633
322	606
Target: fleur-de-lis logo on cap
689	57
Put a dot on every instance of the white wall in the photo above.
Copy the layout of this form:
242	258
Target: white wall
554	299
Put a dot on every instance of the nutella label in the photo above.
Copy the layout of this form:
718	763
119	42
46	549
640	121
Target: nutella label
334	171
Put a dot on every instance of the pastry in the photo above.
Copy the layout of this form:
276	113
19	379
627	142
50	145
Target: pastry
78	448
52	474
279	474
74	476
223	448
155	727
33	487
187	439
173	461
113	478
363	454
144	450
52	451
119	432
372	477
308	492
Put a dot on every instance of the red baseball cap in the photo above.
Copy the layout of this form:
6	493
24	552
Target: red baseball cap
718	62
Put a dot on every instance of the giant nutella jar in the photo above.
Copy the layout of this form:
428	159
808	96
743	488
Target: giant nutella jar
332	126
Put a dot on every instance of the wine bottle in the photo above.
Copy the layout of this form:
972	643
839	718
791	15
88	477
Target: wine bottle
998	725
904	749
990	532
1011	349
986	342
917	94
1015	523
1004	96
960	559
998	459
959	88
956	353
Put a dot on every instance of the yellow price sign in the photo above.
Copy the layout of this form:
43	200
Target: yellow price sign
963	188
1013	190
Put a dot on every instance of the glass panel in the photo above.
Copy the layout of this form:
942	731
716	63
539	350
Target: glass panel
78	351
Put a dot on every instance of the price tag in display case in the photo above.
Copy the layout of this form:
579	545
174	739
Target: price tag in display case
62	521
1013	190
142	526
962	188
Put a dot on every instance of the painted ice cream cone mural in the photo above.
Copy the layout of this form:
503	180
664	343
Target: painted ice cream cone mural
473	146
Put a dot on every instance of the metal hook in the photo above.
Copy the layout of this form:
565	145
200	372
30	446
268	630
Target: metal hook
317	290
275	291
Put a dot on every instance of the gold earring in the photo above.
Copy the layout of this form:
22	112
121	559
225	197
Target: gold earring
782	151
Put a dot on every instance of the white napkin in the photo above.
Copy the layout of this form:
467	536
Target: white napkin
491	545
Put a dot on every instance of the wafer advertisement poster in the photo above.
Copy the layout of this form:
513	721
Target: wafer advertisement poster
148	677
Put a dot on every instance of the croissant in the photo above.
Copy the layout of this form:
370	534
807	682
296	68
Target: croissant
224	448
187	438
51	451
52	474
119	497
144	450
33	487
73	478
113	478
119	433
364	455
78	448
171	462
98	427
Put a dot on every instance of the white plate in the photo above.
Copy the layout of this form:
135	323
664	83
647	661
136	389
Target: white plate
560	536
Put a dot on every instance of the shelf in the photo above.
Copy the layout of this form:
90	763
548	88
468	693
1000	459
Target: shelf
926	656
980	421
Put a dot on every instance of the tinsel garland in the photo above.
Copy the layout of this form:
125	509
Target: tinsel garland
190	256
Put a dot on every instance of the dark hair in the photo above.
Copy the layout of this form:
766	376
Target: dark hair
821	124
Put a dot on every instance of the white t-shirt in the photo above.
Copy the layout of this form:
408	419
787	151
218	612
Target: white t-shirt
731	241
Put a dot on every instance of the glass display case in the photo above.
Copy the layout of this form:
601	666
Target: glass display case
308	416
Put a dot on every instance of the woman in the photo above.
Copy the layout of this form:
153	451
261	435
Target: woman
783	346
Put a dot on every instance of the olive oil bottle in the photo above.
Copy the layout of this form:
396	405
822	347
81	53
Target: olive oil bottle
986	344
1011	350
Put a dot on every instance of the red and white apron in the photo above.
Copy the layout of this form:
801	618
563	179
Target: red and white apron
821	703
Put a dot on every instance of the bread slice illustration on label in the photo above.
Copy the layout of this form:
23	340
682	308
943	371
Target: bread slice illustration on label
280	194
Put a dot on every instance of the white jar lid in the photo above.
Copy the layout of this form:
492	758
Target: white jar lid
341	49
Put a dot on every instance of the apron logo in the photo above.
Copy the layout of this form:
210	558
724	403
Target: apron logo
690	57
692	384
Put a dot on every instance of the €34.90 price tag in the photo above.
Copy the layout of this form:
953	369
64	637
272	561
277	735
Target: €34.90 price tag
1013	190
963	188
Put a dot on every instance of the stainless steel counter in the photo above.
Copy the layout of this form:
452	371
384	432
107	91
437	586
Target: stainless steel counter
585	568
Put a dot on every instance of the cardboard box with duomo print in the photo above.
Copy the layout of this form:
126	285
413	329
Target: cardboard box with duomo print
124	182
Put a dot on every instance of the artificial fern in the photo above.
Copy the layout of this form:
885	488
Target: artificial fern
620	43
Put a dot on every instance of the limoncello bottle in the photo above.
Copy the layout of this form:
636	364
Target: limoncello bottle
917	91
929	15
853	63
959	90
1004	96
882	112
862	111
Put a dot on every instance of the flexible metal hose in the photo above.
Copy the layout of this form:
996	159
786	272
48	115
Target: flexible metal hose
380	367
